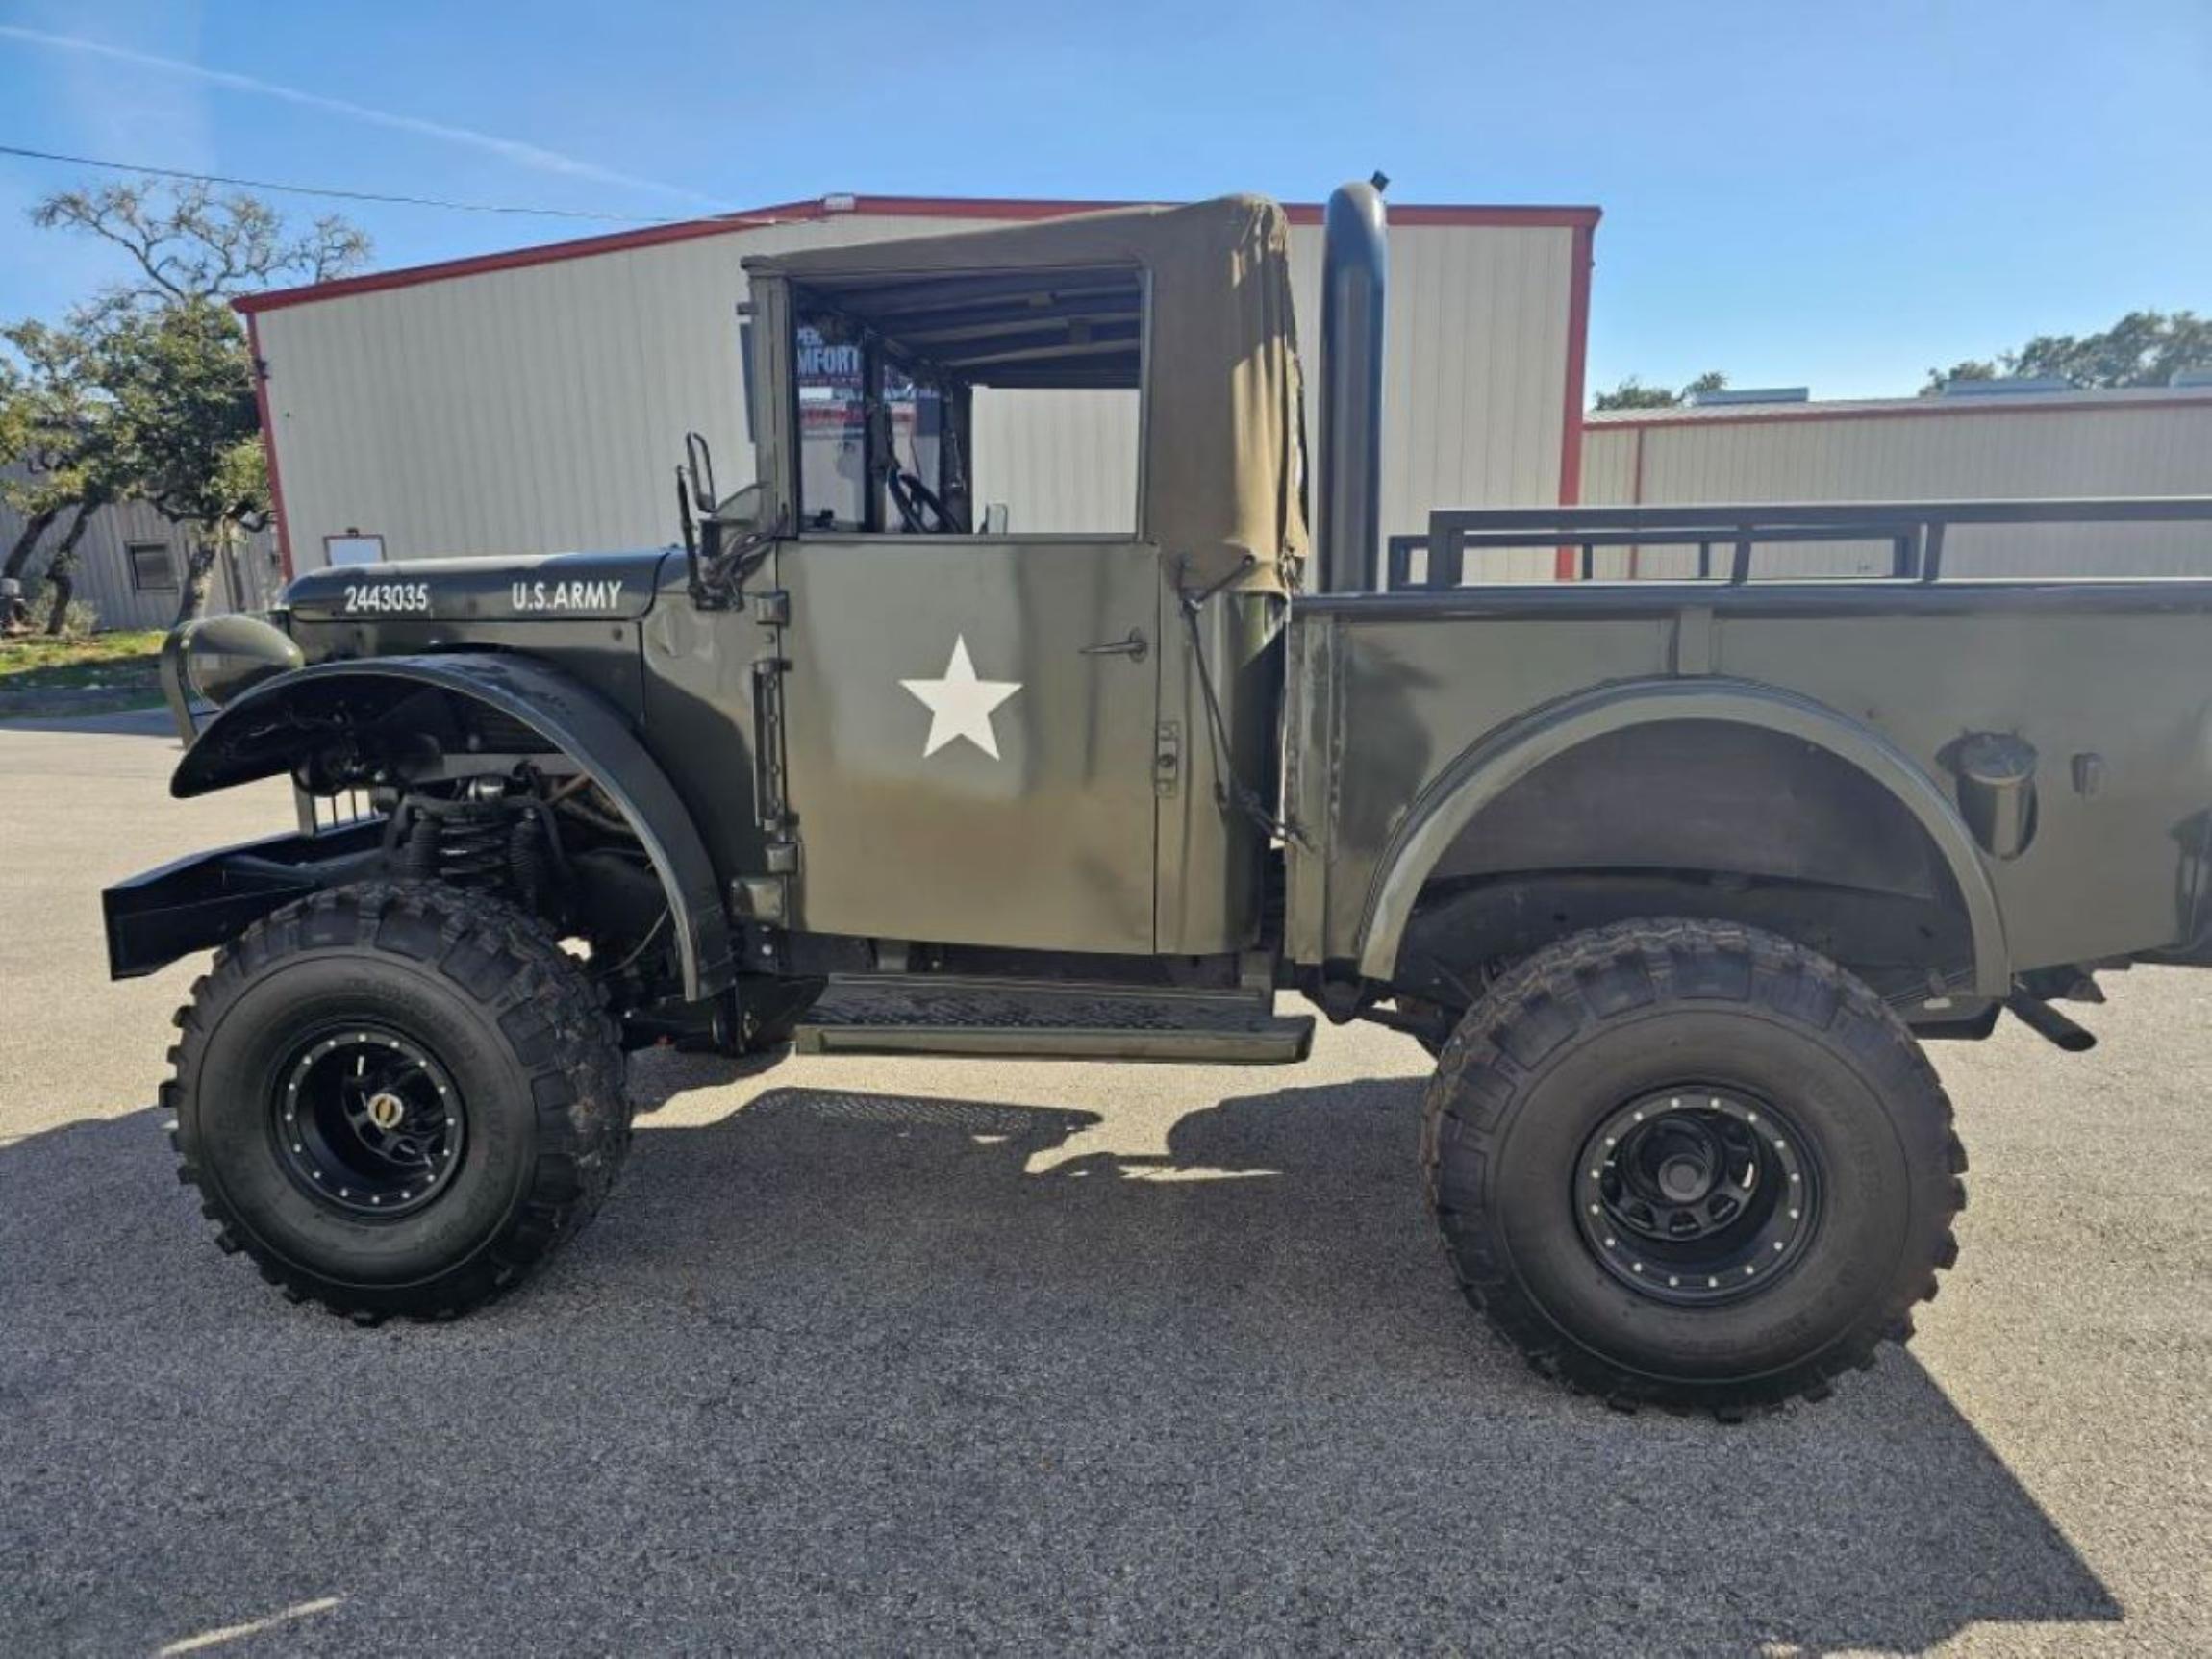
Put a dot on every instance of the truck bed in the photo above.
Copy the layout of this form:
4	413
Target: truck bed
1721	707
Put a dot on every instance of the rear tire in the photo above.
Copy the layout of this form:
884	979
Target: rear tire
1639	1122
397	1098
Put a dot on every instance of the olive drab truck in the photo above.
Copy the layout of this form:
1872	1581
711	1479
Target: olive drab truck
1672	878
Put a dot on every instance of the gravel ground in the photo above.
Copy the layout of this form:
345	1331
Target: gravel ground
900	1355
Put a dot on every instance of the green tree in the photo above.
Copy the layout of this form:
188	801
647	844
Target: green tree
73	459
1633	393
52	405
182	382
172	377
2143	348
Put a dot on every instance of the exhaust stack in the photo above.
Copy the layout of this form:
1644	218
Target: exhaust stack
1355	275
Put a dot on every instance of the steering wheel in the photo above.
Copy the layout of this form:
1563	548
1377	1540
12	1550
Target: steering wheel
914	500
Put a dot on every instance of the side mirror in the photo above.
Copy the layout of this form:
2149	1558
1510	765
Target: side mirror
699	471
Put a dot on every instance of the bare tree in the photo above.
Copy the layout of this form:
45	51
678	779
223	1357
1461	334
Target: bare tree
190	244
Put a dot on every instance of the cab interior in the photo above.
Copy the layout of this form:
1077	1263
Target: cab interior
888	369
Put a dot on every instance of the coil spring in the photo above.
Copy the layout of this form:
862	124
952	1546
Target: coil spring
465	842
472	846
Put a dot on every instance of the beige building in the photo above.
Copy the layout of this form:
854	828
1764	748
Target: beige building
537	400
2000	446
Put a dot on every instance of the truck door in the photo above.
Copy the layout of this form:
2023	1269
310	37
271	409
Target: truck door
968	733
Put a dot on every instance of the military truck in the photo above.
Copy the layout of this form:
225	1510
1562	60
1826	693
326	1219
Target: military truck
1672	877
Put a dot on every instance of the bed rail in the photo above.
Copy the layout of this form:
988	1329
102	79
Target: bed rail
1913	530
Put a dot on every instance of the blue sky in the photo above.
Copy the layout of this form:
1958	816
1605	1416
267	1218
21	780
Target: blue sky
1830	195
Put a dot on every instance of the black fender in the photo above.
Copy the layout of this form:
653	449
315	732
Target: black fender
262	732
1485	770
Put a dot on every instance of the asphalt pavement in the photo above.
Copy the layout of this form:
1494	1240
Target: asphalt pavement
915	1356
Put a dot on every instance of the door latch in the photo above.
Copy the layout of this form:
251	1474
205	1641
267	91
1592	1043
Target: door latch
1167	759
1133	647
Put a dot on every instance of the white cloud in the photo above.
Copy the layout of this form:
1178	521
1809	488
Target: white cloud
532	156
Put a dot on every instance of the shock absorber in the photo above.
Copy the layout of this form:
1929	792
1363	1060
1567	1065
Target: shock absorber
529	863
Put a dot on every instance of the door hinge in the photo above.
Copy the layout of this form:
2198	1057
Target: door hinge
1167	759
768	805
759	898
772	608
767	897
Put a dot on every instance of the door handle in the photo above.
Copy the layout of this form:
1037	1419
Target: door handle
1134	646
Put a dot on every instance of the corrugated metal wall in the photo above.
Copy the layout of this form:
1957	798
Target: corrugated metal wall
1059	461
1474	371
2143	443
104	567
543	407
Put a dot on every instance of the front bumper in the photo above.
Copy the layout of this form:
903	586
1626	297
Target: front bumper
212	897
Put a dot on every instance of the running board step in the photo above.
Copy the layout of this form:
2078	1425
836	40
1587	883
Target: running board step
1063	1023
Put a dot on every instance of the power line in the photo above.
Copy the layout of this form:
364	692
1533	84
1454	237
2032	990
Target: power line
317	190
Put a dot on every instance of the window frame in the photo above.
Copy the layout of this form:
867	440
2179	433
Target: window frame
138	584
954	389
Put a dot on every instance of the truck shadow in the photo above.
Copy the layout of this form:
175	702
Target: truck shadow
866	1371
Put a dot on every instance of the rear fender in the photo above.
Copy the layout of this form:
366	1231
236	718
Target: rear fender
1485	770
268	728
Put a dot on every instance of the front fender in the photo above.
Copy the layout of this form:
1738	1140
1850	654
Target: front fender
1485	769
261	733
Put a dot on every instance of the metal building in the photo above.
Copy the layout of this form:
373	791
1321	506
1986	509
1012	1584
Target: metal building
1997	445
131	563
537	400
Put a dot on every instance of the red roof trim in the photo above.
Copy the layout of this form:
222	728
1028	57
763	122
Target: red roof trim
268	447
890	206
2057	403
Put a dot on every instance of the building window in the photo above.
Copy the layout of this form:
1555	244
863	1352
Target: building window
152	569
833	425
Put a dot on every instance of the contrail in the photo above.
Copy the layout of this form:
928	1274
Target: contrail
512	150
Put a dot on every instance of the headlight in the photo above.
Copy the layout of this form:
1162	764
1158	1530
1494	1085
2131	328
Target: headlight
216	657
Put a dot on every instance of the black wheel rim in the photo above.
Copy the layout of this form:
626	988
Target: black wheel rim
366	1121
1698	1195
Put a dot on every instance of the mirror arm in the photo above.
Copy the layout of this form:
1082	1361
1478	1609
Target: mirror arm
690	530
725	569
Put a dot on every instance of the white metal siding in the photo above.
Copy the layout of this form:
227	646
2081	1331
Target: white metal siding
1474	372
1061	461
540	408
2090	448
537	409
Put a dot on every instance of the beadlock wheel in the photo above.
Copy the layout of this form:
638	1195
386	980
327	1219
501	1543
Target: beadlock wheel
367	1122
1695	1197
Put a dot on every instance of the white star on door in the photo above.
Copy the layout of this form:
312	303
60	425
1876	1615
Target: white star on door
959	704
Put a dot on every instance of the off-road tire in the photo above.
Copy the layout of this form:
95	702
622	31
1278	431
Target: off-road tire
1602	1017
521	1027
